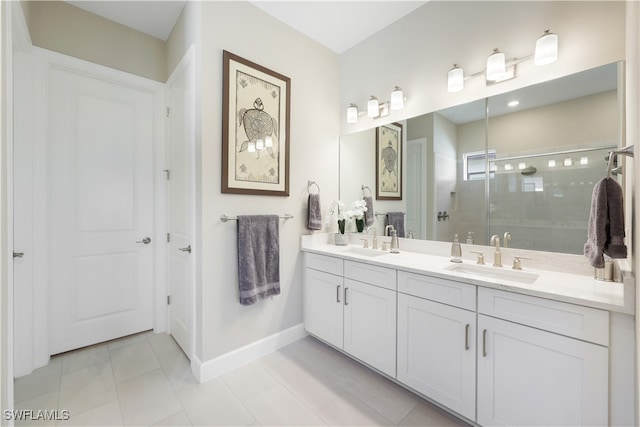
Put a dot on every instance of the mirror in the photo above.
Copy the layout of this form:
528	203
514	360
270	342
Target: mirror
489	168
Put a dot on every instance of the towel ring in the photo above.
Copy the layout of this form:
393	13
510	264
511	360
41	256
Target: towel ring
310	183
364	187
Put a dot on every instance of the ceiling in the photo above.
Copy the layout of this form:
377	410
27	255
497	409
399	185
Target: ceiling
338	25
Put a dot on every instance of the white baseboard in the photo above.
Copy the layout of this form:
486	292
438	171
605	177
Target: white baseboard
210	369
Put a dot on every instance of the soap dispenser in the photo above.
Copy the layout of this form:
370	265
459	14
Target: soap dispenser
456	251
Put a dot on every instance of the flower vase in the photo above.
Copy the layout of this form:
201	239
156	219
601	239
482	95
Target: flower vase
341	239
360	225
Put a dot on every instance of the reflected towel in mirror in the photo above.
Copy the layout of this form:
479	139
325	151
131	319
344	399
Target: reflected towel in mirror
368	214
397	220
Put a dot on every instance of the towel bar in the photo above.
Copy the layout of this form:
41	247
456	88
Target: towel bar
626	151
225	218
380	214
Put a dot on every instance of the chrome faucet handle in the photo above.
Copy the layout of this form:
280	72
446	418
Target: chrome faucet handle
384	246
365	243
480	259
517	265
506	238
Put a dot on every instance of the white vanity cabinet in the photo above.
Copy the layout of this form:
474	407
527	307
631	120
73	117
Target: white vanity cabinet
437	341
531	376
352	306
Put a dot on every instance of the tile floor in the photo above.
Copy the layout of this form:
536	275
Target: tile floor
145	380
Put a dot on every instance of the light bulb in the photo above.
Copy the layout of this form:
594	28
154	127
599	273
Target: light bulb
455	79
373	107
567	162
546	49
252	147
268	141
260	144
352	113
496	66
508	166
584	160
397	99
552	163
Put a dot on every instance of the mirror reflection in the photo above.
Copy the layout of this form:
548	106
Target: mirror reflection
521	165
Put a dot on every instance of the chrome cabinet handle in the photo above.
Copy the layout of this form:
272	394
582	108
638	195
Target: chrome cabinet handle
187	249
18	254
146	240
466	336
338	293
345	296
484	343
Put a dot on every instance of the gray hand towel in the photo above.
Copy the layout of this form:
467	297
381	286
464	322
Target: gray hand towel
397	220
258	257
368	214
605	234
314	219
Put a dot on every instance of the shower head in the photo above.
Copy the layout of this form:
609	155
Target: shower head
529	170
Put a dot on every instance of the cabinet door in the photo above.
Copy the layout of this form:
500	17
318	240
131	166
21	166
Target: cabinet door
370	325
531	377
437	352
323	306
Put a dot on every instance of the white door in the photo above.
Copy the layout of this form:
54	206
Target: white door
437	352
181	201
417	187
100	140
370	325
531	377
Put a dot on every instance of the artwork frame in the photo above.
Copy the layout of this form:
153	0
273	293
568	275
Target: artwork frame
247	119
389	162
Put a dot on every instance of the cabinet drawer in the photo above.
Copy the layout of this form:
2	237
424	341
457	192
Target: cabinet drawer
585	323
372	274
448	292
324	263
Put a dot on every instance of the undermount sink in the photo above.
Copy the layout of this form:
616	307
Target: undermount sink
366	252
494	273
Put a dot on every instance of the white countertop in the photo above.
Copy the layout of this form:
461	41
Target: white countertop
558	286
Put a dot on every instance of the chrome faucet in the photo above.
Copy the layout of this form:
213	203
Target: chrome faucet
386	230
497	256
374	244
506	238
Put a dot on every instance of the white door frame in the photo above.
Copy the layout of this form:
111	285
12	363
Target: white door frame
43	61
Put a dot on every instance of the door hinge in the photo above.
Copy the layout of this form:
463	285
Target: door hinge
168	237
168	299
168	173
168	112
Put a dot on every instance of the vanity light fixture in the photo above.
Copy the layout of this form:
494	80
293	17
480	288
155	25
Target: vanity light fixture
500	69
260	144
508	166
584	160
568	162
496	65
513	103
352	113
455	79
251	148
546	49
268	141
397	99
552	163
522	165
373	107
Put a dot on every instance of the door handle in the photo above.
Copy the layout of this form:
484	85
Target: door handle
187	249
18	254
338	293
146	240
345	296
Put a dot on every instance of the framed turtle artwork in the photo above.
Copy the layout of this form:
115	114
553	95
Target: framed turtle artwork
255	128
389	162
